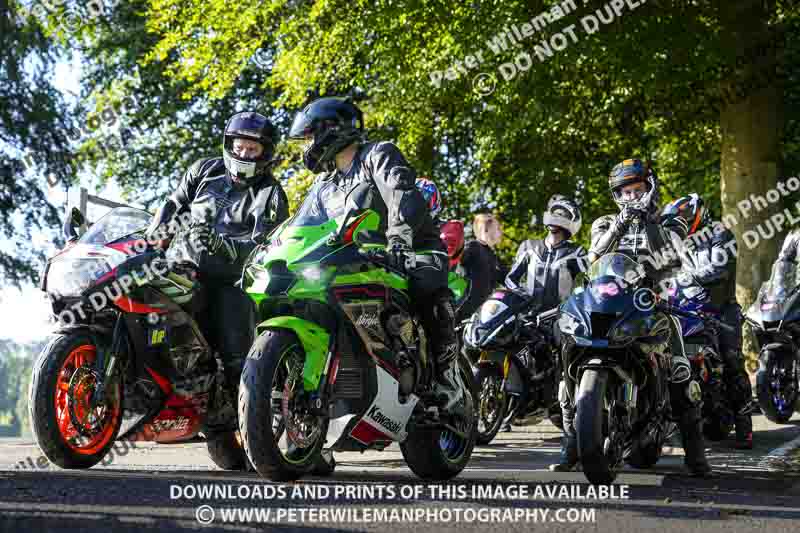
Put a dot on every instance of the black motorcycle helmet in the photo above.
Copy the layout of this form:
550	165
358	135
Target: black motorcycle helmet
255	127
634	171
328	126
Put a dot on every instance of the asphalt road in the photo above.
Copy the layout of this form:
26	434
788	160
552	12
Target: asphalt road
152	487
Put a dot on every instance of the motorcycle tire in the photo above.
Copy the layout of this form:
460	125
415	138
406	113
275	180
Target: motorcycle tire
591	427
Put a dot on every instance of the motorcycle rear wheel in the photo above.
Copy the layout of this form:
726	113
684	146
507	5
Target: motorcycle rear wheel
439	454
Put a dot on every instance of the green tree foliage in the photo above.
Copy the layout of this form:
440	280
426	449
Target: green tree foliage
159	129
15	369
648	84
33	144
652	83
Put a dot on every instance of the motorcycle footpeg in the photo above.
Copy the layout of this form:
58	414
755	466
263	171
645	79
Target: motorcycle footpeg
428	414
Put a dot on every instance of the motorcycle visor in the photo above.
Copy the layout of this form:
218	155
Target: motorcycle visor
303	127
631	193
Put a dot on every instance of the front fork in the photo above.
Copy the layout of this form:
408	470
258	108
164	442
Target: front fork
107	359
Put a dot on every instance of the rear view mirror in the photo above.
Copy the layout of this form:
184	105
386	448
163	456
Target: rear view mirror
72	224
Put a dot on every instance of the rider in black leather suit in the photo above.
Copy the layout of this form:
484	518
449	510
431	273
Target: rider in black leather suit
332	130
710	262
245	203
637	231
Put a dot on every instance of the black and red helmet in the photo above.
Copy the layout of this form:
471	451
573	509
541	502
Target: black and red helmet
691	209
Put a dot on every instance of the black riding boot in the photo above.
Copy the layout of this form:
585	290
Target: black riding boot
444	347
744	429
569	442
223	417
693	444
569	455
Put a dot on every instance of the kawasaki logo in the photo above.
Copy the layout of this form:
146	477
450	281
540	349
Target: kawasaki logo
384	420
368	321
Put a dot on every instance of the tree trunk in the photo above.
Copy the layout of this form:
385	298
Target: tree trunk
751	126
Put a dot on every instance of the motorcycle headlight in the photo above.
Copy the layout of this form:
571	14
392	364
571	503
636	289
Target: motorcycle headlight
631	329
491	309
313	273
70	277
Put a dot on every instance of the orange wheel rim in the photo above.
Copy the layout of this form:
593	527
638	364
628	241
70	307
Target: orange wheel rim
83	356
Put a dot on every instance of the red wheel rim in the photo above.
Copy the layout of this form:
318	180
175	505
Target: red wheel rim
83	356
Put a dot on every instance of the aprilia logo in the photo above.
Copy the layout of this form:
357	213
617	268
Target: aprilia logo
384	420
176	424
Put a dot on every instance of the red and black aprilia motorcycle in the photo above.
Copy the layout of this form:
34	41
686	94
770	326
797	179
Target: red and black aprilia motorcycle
128	359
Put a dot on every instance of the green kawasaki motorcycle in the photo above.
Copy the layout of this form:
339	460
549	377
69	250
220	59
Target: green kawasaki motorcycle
340	362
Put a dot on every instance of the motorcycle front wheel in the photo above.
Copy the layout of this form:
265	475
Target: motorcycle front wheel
281	437
592	427
72	429
492	403
776	386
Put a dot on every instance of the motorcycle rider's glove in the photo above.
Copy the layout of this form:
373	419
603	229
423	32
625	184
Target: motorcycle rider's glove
401	257
159	234
627	216
687	279
215	244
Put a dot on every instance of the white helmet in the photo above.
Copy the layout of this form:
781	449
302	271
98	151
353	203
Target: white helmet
564	213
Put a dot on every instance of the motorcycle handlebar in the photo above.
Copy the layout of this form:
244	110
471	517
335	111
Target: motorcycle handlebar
687	314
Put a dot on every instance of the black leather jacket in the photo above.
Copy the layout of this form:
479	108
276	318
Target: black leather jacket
483	270
405	218
711	259
245	217
549	272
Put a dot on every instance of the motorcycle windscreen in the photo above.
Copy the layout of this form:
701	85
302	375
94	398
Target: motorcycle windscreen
778	298
116	224
324	202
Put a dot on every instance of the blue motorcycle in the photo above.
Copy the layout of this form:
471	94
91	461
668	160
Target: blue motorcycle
700	326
